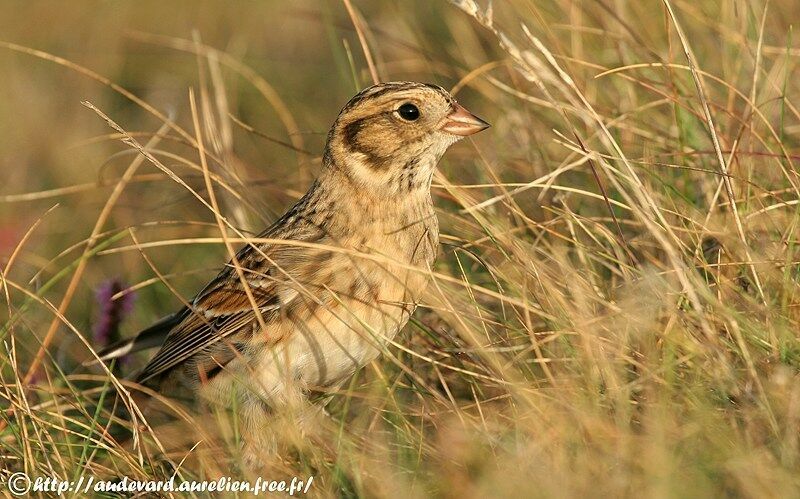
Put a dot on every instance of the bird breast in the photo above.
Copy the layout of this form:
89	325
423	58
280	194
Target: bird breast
371	289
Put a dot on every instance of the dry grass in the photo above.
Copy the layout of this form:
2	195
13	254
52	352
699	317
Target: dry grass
616	306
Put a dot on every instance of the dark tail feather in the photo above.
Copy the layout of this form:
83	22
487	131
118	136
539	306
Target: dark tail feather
151	337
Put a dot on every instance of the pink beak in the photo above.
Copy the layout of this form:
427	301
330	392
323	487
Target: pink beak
462	122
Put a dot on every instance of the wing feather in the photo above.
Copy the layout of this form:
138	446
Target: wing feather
223	308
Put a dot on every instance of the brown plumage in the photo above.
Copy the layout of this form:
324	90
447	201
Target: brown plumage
344	277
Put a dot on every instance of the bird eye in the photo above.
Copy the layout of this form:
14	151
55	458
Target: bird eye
408	112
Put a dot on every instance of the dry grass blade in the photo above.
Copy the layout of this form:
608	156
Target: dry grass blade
715	140
78	274
373	71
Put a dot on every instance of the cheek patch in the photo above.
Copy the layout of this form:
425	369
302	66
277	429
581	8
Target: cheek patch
373	137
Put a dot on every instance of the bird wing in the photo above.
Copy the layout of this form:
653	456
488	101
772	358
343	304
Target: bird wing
223	308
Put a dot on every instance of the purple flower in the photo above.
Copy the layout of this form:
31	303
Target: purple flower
112	312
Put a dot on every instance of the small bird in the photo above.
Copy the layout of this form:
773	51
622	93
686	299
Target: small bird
340	276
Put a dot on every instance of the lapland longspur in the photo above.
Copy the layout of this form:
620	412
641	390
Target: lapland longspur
341	275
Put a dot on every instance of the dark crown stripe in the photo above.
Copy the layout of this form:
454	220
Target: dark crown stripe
380	89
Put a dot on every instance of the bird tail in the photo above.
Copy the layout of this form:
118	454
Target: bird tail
151	337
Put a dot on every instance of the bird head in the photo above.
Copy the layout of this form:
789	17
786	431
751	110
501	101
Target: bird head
390	136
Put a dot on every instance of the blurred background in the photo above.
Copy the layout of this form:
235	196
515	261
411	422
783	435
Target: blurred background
603	322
